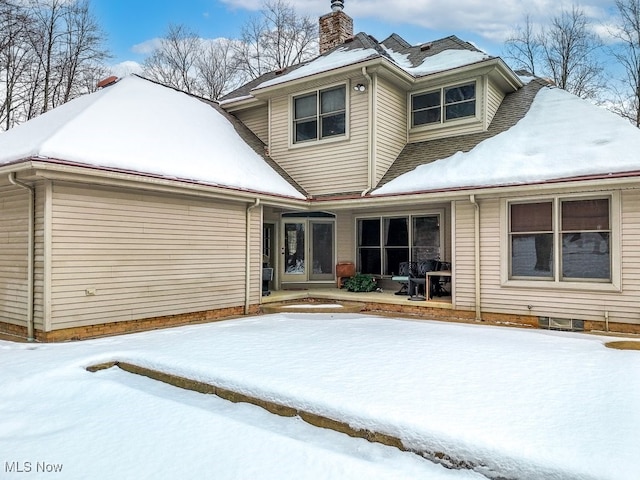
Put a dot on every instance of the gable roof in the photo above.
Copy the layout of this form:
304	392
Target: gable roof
139	126
561	137
417	61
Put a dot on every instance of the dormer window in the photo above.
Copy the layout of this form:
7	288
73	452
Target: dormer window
319	115
443	105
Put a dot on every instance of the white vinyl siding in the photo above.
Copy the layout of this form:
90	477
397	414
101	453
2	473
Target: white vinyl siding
494	99
576	303
325	167
257	120
391	133
14	227
345	250
464	261
146	255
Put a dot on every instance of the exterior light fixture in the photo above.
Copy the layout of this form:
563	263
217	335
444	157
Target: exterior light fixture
359	87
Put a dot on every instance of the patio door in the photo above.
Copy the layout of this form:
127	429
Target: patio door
308	250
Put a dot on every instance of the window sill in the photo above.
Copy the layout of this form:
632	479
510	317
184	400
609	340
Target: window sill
559	286
316	143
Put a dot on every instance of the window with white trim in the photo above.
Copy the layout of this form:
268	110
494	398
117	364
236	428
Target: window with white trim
561	239
319	115
443	105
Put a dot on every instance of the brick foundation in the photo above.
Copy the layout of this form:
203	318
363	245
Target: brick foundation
117	328
444	314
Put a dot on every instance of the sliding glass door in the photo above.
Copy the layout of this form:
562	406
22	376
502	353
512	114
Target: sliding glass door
308	250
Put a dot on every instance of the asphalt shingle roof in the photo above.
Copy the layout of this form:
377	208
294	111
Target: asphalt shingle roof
514	107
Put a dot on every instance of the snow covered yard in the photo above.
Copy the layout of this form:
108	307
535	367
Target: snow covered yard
517	403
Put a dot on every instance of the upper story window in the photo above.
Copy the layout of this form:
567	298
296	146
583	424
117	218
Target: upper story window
444	104
319	115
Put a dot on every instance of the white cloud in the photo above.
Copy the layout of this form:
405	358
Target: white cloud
147	46
125	68
493	21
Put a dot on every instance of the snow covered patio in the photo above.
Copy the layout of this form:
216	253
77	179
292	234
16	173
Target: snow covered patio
522	404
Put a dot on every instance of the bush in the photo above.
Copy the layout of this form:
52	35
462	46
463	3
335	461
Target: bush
361	282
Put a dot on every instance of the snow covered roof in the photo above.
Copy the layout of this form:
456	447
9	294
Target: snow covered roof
417	60
560	137
139	126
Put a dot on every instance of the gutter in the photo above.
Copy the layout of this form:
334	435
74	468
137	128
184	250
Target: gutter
476	255
247	266
372	129
30	255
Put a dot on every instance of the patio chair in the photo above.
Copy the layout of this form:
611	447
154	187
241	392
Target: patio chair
418	279
402	278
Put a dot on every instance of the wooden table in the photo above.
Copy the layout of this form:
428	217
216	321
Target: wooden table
430	275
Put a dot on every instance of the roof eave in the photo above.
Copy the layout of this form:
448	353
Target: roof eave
56	169
242	103
584	182
265	92
495	67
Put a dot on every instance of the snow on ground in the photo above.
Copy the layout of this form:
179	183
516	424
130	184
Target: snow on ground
561	136
527	404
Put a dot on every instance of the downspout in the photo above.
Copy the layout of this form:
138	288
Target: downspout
476	254
30	255
372	128
247	267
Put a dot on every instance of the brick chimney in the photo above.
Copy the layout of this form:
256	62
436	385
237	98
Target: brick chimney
335	27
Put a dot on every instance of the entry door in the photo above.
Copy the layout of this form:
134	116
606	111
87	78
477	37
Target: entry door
308	250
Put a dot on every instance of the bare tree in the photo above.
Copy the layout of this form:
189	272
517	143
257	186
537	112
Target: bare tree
192	64
173	63
216	68
14	58
81	52
570	54
523	47
50	51
278	38
567	52
627	53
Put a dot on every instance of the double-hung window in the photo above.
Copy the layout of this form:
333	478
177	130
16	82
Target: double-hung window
561	240
319	115
443	105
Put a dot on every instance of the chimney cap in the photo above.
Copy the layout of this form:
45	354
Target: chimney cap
337	5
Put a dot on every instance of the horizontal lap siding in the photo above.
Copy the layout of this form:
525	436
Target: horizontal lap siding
325	167
257	120
464	256
629	308
345	234
494	99
14	227
391	125
578	304
145	255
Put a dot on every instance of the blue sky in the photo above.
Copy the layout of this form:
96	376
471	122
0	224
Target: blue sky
132	25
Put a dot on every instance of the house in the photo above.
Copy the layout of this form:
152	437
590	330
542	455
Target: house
138	206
